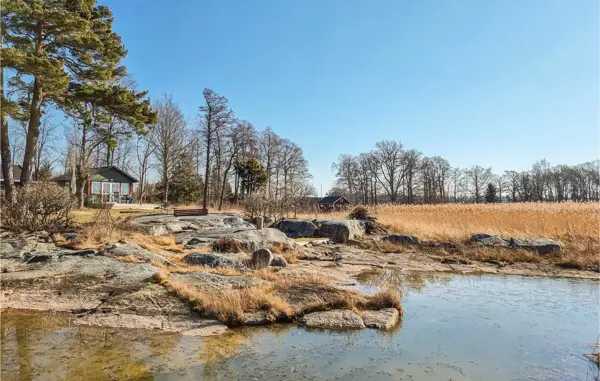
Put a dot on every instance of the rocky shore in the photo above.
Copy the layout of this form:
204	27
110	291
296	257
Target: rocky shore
117	285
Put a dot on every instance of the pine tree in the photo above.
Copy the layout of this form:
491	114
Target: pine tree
491	193
68	49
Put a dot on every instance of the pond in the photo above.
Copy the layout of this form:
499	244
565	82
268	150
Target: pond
455	328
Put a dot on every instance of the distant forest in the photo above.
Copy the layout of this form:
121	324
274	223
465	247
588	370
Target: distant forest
391	173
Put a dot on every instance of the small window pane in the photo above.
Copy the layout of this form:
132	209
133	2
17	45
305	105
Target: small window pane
95	187
124	188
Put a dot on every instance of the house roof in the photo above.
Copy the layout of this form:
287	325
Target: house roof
111	173
16	173
331	200
313	199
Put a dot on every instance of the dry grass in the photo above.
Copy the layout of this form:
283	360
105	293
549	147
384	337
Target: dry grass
313	292
576	226
87	215
460	221
291	254
229	306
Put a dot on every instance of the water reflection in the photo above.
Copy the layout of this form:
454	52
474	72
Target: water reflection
459	328
402	280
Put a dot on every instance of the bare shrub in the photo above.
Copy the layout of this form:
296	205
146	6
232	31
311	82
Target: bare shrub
39	206
359	213
226	245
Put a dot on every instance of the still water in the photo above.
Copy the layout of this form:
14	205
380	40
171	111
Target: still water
459	328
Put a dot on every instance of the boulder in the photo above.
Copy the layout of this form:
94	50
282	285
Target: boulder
233	260
540	245
252	240
489	240
385	318
216	283
402	239
279	261
297	228
341	231
335	319
261	258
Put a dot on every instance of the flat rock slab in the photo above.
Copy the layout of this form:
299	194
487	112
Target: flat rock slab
72	282
134	250
385	318
336	319
216	282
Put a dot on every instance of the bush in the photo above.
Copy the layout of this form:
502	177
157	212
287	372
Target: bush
39	206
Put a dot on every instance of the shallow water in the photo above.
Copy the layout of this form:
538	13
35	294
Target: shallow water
462	328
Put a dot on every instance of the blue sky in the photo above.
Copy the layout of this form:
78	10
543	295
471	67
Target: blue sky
498	83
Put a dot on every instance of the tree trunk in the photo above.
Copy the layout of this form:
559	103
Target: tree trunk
207	168
33	132
7	172
80	185
223	186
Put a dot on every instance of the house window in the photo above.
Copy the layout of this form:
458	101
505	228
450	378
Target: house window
124	188
96	187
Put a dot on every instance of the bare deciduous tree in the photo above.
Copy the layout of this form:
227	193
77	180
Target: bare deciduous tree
167	139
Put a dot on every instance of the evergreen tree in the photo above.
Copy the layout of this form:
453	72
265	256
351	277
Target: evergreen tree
68	50
186	184
253	175
491	194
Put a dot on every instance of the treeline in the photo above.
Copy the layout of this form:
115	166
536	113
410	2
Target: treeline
62	57
391	173
235	159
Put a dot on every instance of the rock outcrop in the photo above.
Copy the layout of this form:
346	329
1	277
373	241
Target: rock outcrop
136	251
216	282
